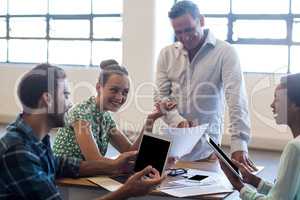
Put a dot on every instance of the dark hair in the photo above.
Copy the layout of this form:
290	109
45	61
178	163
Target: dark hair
292	83
42	78
110	67
184	7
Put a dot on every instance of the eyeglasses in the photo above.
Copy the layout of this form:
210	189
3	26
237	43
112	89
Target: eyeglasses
177	172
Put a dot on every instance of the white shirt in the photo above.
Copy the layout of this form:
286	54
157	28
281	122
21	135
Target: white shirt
287	185
199	87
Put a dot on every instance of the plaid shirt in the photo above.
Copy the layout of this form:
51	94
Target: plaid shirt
27	166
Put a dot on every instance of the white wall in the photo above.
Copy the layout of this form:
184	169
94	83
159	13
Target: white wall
144	33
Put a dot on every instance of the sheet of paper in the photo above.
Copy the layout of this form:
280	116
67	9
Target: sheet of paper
106	182
197	190
183	139
214	184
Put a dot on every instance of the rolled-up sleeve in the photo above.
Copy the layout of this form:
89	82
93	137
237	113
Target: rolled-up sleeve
67	167
163	90
236	98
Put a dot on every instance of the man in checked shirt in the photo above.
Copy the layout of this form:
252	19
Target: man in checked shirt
28	168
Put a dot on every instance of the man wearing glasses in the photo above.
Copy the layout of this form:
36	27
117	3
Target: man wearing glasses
197	72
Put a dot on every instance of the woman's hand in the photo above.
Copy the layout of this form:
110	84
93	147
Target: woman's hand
160	109
234	180
248	177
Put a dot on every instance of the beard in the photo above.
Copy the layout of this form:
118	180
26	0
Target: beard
56	120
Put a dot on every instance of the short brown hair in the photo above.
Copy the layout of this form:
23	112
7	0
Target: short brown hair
42	78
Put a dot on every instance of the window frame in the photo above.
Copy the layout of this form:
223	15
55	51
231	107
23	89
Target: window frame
49	17
287	41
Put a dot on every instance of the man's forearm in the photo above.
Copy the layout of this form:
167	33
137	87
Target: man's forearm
95	167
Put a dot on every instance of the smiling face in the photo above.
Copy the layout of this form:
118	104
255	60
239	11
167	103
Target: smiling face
114	93
280	105
188	30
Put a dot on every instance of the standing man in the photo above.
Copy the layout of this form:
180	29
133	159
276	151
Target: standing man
197	72
27	166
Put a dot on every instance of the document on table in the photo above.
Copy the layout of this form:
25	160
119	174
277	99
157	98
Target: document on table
183	139
215	183
106	182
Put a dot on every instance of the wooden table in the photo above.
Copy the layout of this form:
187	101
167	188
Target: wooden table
81	188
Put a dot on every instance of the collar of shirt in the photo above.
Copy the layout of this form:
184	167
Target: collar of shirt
97	114
209	40
26	132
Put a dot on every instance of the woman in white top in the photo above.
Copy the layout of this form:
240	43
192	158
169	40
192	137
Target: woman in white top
286	109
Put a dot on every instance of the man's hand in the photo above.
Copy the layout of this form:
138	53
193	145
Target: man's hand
125	162
160	109
242	157
138	184
185	124
234	180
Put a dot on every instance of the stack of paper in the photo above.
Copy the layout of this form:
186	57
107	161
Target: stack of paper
214	184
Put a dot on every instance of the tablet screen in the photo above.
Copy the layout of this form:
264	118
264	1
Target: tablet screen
225	157
153	151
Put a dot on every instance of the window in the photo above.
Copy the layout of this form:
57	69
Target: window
266	33
68	32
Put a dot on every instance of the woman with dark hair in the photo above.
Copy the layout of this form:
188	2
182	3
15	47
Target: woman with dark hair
89	125
286	109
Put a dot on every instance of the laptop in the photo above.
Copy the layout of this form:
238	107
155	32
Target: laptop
153	151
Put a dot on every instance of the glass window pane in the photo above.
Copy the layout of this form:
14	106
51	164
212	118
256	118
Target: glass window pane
274	29
33	51
213	6
260	6
263	58
107	7
108	27
3	50
3	7
106	50
28	27
70	28
69	6
17	7
296	6
2	26
218	26
70	52
295	61
296	30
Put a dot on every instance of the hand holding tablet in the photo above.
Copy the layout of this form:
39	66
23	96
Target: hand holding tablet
224	158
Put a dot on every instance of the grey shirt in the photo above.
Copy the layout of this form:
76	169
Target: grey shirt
199	88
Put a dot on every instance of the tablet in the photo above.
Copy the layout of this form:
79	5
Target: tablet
153	151
222	155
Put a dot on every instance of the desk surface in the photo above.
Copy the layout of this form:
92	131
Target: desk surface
206	166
